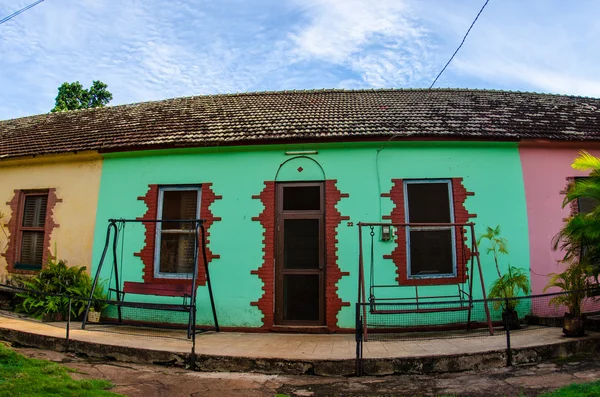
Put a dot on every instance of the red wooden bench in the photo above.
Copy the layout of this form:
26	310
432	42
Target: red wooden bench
183	291
160	289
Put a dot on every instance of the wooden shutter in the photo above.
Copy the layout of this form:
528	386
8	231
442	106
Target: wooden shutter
32	226
32	248
34	211
178	238
189	204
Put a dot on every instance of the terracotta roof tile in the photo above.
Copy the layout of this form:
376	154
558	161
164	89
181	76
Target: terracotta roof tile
268	117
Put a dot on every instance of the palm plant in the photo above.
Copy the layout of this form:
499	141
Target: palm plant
498	245
507	287
575	279
579	239
580	236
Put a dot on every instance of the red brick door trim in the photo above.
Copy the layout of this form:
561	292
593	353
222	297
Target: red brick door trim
333	273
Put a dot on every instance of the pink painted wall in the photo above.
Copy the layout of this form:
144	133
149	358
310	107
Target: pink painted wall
545	172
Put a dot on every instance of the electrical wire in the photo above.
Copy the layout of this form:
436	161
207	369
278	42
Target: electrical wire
430	87
461	44
14	14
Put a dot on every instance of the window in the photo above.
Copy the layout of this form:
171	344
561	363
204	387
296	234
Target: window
175	241
431	250
32	231
585	205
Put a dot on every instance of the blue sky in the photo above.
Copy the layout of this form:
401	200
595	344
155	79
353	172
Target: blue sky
157	49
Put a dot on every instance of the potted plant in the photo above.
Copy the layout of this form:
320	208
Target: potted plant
579	240
98	304
506	287
93	315
51	292
505	291
82	292
575	282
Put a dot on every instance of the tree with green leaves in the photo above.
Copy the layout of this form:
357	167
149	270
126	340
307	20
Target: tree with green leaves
579	238
72	96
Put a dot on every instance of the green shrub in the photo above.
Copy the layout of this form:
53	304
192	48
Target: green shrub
49	291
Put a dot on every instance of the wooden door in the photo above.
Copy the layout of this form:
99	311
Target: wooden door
300	260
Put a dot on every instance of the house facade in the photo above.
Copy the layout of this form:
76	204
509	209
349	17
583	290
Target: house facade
282	181
38	195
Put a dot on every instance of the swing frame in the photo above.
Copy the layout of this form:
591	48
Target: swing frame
113	231
371	302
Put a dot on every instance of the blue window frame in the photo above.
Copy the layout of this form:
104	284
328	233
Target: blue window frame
430	250
175	241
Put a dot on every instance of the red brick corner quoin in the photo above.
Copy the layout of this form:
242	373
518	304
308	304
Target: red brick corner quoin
333	273
147	253
13	244
266	272
573	205
399	254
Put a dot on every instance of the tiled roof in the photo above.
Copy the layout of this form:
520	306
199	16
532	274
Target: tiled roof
293	116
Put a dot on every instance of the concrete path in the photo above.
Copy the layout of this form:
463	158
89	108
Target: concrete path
298	354
153	381
286	345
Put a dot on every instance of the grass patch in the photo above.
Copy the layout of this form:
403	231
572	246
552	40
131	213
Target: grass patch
591	389
22	376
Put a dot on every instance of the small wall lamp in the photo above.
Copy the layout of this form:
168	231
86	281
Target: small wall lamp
387	233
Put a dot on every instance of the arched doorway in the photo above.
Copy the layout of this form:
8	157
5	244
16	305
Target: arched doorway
300	243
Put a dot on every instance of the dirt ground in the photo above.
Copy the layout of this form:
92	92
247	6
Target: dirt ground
153	381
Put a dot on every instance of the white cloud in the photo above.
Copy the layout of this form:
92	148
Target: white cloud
514	73
379	40
142	50
147	50
537	45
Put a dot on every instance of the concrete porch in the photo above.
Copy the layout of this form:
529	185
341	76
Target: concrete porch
329	355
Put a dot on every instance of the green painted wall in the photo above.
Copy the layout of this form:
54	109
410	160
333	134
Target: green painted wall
491	170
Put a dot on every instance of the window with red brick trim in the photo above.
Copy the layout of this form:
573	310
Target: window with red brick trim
175	241
32	230
585	205
151	269
429	201
431	250
30	227
582	204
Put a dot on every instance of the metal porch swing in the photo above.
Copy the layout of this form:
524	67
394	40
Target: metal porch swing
187	294
375	304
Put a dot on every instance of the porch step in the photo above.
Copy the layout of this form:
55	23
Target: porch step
302	329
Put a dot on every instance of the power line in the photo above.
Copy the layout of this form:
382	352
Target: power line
461	43
14	14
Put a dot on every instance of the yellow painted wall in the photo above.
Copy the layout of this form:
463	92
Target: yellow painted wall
76	178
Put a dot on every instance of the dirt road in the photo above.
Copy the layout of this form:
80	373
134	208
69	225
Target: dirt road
153	381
